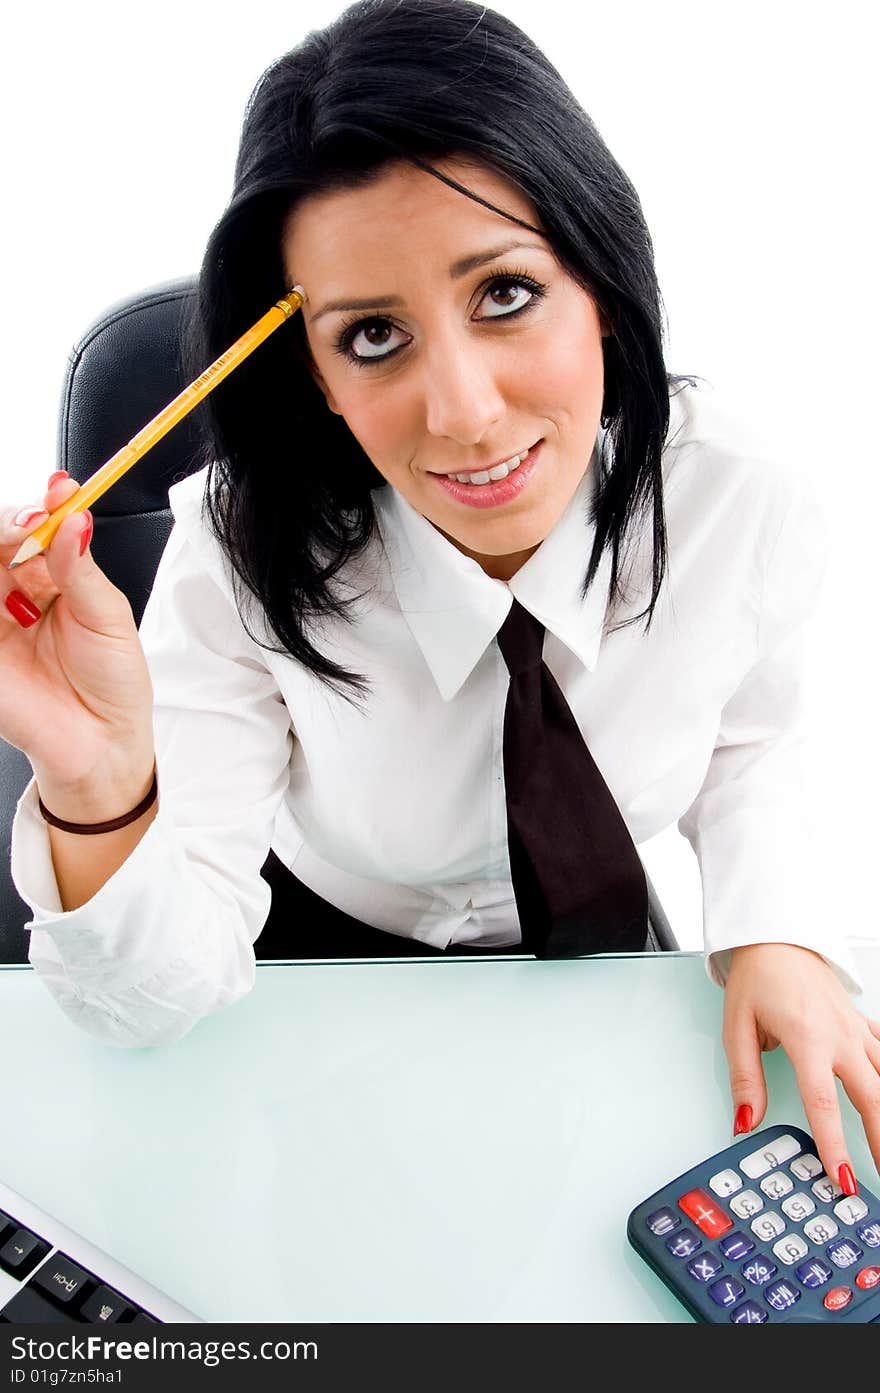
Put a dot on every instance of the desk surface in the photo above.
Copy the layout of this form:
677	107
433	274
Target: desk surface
419	1140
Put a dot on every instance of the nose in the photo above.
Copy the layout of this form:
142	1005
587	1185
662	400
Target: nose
463	399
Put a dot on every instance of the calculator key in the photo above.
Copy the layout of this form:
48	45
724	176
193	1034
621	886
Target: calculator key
844	1253
684	1244
768	1226
725	1183
727	1291
806	1167
782	1295
749	1313
776	1185
706	1214
736	1245
868	1277
837	1298
746	1204
814	1274
758	1270
821	1229
758	1163
798	1206
869	1234
662	1221
826	1190
850	1209
704	1267
791	1249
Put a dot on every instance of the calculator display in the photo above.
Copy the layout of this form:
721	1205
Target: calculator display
760	1233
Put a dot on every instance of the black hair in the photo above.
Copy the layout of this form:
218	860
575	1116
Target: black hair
417	80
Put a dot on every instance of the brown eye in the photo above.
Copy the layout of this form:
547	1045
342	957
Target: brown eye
506	296
372	339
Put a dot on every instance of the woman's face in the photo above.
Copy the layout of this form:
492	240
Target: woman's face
453	344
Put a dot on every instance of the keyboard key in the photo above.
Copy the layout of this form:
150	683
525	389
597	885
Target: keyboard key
758	1270
60	1278
821	1229
776	1185
105	1306
758	1163
704	1267
768	1226
709	1217
736	1245
30	1307
6	1224
684	1244
725	1183
727	1291
663	1221
868	1278
844	1253
798	1207
791	1249
814	1274
826	1190
837	1298
746	1204
850	1209
782	1295
869	1234
749	1313
22	1251
806	1167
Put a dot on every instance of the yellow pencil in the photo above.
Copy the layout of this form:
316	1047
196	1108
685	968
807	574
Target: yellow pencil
137	447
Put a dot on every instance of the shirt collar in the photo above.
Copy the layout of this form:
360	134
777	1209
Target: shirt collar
454	610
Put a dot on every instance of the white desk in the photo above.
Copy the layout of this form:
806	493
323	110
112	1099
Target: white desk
422	1140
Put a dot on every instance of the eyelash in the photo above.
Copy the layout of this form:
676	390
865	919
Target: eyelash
349	330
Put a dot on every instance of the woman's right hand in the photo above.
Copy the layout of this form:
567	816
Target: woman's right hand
75	691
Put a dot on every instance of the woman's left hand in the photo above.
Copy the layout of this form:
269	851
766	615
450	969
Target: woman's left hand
779	994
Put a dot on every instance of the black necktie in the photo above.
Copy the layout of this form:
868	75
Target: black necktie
579	883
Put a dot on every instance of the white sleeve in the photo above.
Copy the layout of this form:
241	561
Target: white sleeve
751	826
169	937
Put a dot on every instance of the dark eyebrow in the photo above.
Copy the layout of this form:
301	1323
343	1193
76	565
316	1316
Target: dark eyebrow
456	271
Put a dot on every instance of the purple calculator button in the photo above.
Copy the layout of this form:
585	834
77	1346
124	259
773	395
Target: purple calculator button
704	1267
663	1221
727	1291
814	1273
844	1253
749	1313
870	1234
736	1245
781	1295
758	1270
684	1244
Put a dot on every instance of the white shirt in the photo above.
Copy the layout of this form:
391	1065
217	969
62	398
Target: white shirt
392	807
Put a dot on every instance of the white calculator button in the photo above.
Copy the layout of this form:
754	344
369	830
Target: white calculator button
746	1204
826	1190
791	1249
798	1206
851	1209
806	1167
768	1225
777	1185
725	1183
758	1163
821	1229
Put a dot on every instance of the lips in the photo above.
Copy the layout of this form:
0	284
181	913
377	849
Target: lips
493	493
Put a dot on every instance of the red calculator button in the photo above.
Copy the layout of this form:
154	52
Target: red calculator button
868	1277
837	1298
700	1206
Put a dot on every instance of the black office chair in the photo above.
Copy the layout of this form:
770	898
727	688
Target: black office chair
126	368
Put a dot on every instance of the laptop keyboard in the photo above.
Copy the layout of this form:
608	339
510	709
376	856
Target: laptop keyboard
51	1275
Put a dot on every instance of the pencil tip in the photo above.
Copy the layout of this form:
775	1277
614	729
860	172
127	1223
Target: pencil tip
30	547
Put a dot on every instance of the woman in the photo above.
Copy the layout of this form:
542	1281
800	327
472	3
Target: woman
471	418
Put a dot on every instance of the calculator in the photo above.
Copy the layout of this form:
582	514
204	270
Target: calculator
759	1233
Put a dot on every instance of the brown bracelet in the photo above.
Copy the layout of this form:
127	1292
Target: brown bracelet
88	829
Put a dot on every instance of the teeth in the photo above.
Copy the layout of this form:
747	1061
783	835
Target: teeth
500	471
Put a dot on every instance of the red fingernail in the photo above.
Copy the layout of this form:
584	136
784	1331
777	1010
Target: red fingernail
22	609
27	515
846	1180
86	536
59	474
742	1121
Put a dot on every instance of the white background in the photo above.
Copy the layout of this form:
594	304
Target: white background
749	134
